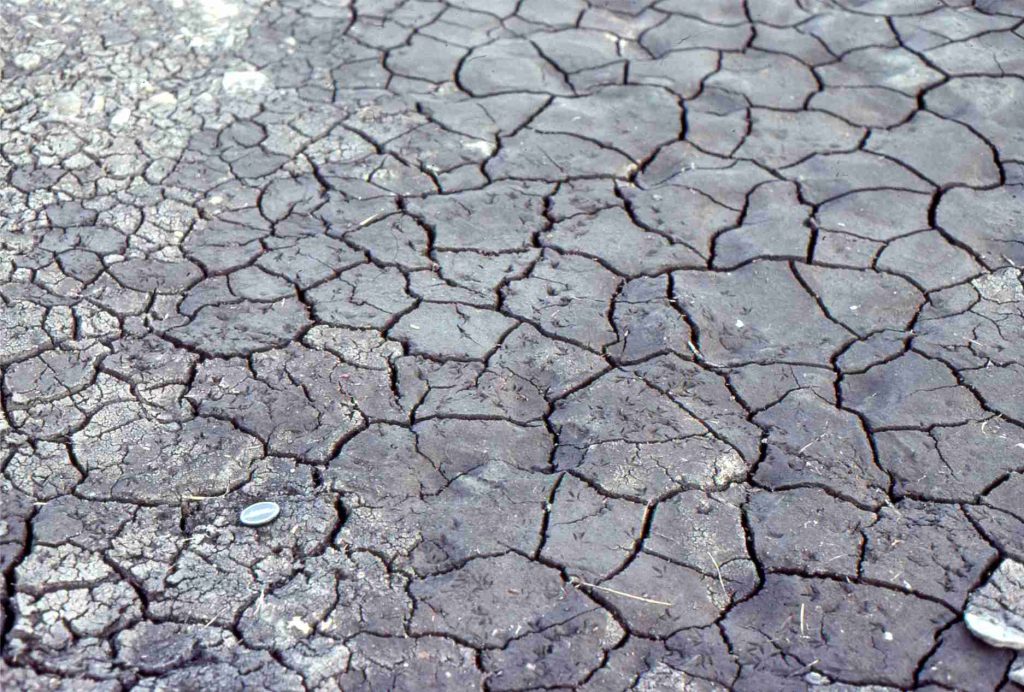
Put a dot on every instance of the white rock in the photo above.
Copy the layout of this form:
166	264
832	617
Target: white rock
239	81
67	104
995	612
98	103
219	10
1017	670
27	61
992	629
164	99
120	118
1002	286
480	146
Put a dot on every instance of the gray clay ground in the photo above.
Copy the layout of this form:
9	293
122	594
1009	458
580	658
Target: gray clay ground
600	344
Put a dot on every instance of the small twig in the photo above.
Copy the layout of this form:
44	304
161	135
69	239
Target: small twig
808	667
698	354
817	439
576	581
200	498
807	446
368	220
216	615
996	418
718	569
260	601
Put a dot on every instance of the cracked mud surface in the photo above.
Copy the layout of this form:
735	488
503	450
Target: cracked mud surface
601	345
